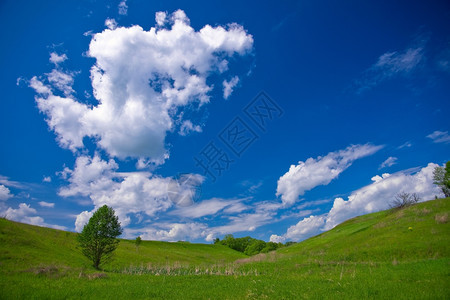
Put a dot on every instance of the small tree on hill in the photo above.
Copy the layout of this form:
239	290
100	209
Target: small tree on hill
441	177
404	199
98	239
138	242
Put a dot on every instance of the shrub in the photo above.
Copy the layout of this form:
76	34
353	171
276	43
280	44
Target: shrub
404	199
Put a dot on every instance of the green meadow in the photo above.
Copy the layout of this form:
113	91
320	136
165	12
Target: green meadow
393	254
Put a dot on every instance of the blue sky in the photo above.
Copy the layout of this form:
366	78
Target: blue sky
196	120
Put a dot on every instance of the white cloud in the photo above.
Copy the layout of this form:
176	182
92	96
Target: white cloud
7	182
210	207
111	24
56	59
161	18
262	214
228	86
5	193
243	222
123	8
20	214
378	195
183	190
39	87
62	81
371	198
46	204
304	229
187	127
321	171
391	64
47	179
390	161
439	137
405	145
82	219
26	214
173	232
126	192
64	115
140	79
90	175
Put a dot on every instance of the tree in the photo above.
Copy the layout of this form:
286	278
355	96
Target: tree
271	246
441	177
98	239
138	242
255	247
404	199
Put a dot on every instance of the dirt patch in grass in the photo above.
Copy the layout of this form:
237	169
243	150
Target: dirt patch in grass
423	212
97	276
271	256
92	276
49	271
380	225
441	218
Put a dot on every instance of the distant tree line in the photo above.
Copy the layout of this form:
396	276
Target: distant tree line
249	245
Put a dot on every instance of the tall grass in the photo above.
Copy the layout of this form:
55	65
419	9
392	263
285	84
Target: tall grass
177	269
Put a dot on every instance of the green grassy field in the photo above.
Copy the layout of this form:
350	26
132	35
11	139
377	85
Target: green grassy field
396	254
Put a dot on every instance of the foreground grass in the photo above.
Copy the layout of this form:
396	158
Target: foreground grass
418	280
400	254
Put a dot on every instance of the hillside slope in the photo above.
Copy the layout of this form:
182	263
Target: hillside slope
24	246
395	254
421	231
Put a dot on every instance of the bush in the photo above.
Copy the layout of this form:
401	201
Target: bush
255	247
404	199
248	245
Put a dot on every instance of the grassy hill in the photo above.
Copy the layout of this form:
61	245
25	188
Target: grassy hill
24	246
417	232
401	254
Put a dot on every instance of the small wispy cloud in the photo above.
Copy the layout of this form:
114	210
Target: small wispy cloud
111	23
228	86
5	193
439	137
210	207
11	183
46	204
390	161
123	8
390	65
187	127
280	24
407	144
56	59
26	214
